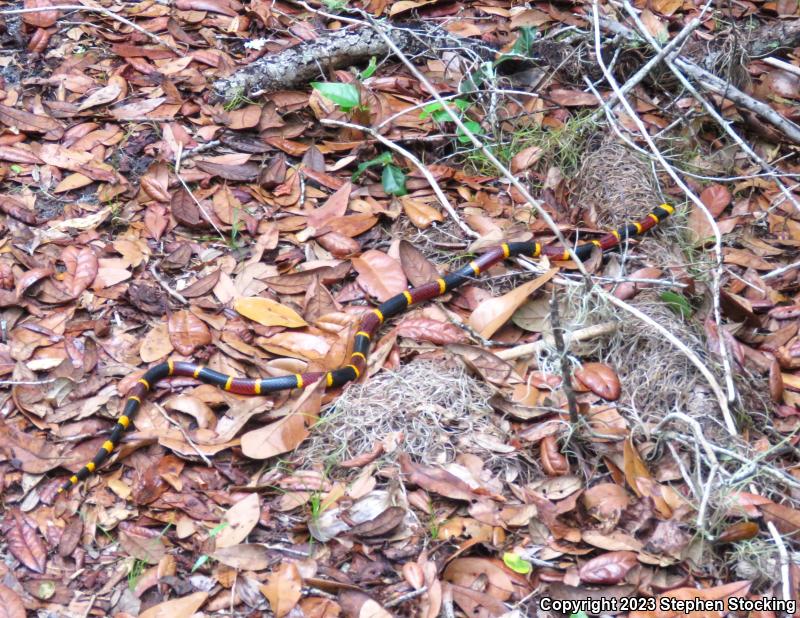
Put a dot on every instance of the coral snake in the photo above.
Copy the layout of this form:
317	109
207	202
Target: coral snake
367	328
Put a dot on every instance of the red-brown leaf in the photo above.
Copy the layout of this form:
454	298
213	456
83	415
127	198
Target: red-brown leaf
187	332
553	462
380	275
15	208
601	379
716	198
11	605
81	270
436	480
609	568
24	542
426	329
43	19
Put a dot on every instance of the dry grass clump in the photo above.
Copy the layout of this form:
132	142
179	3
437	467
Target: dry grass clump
438	407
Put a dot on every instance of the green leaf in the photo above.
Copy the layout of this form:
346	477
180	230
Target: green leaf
473	126
346	96
16	168
393	180
218	528
524	42
370	70
677	303
580	614
199	562
439	114
383	159
517	563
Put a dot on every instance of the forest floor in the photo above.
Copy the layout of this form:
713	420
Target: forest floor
238	185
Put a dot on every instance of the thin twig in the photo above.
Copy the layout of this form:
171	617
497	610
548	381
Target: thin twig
582	334
189	441
717	272
504	171
201	207
561	349
405	597
779	271
102	11
724	124
176	295
416	162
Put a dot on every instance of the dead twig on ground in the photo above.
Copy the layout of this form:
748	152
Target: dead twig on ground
96	9
416	162
717	273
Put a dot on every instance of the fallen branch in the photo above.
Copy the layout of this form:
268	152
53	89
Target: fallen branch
102	11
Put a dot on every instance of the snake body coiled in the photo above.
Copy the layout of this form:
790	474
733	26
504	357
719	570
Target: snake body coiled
367	328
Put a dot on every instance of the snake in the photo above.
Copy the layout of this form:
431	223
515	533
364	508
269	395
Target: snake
368	326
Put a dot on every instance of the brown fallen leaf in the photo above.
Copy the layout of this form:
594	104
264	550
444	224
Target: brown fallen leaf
12	605
267	312
30	123
241	518
608	568
493	313
24	541
187	332
287	433
435	480
383	524
283	589
184	607
82	266
380	275
245	557
717	593
467	571
601	379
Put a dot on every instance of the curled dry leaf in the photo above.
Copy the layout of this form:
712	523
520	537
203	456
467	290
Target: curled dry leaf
601	379
283	589
187	332
413	574
553	462
14	208
606	501
241	518
467	571
156	182
41	19
608	568
421	214
380	275
491	314
81	269
267	312
740	531
435	480
184	607
383	524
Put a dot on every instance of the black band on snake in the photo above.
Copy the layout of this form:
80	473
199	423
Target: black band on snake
369	325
